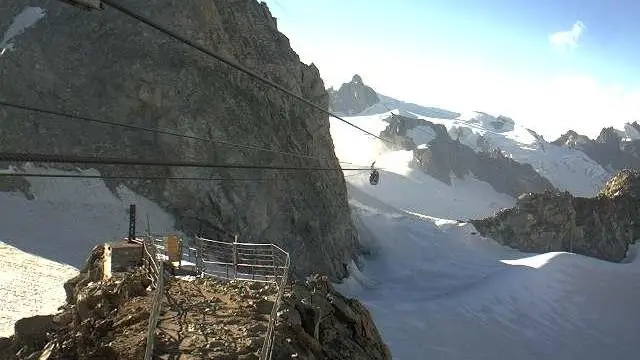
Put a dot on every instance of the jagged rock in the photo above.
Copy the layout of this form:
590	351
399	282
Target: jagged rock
137	76
99	313
16	184
32	331
92	271
607	149
600	227
352	97
330	326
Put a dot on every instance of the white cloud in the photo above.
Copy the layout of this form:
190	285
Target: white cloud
581	103
567	40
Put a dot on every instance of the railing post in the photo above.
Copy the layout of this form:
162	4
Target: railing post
132	222
235	256
180	253
199	259
273	263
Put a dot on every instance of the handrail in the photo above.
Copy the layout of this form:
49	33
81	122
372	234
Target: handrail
247	256
150	255
267	348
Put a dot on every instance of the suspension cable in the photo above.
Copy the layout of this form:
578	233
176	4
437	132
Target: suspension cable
158	131
229	62
130	177
144	177
73	159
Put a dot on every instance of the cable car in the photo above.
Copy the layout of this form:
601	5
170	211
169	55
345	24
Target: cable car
374	178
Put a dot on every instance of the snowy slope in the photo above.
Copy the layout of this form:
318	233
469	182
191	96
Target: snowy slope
43	241
567	169
387	103
405	187
437	290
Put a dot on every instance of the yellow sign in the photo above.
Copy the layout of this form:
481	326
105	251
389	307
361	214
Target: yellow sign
173	248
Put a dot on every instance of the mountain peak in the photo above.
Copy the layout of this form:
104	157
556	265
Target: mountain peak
352	97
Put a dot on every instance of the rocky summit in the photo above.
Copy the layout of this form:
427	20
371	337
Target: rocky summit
610	149
105	65
352	97
602	227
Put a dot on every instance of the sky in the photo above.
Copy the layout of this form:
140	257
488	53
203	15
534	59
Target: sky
550	65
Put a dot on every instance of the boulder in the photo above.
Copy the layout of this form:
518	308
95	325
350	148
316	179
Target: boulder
32	332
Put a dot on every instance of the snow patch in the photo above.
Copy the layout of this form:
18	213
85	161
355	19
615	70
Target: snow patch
45	240
26	19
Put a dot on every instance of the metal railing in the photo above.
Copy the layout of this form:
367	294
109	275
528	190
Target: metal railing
267	348
250	262
155	268
241	261
230	260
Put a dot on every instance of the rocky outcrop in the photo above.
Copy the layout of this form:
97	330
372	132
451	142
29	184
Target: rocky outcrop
600	227
107	319
106	65
442	157
100	319
352	97
396	131
316	322
608	149
16	184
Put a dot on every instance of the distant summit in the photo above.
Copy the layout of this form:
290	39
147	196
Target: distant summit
356	98
613	149
352	97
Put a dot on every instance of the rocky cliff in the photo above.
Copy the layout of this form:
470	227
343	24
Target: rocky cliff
600	227
609	149
105	65
316	322
352	97
443	157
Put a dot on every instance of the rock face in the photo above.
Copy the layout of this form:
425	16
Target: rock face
608	149
443	157
319	323
600	227
352	97
16	184
105	65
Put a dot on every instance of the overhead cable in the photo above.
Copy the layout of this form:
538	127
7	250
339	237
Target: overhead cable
229	62
73	159
153	130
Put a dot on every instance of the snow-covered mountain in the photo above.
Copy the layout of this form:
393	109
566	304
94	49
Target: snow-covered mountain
613	149
357	98
438	290
566	167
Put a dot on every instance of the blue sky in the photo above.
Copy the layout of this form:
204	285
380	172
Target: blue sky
551	65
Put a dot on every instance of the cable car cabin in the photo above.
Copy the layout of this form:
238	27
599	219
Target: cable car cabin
374	178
